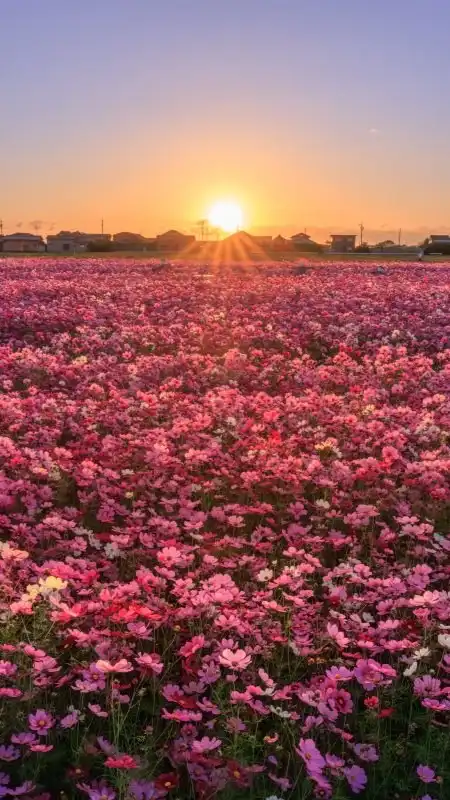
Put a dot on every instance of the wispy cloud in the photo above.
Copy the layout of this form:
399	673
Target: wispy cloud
374	131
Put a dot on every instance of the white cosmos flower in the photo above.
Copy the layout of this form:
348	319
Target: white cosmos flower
422	653
444	640
410	670
264	575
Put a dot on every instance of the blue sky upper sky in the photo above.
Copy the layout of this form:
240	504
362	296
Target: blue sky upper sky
313	113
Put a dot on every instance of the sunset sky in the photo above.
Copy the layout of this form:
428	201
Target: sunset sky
308	113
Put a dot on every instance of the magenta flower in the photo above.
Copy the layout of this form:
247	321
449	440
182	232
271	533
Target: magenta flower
141	790
97	710
426	774
7	669
100	791
366	752
150	662
10	691
314	761
9	753
206	745
191	647
356	777
24	788
339	674
25	738
41	722
41	748
70	720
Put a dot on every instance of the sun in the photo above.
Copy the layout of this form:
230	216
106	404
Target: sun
227	216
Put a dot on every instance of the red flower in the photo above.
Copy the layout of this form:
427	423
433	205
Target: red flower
385	712
167	781
371	702
121	762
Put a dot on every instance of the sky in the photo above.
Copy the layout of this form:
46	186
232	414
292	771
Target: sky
310	114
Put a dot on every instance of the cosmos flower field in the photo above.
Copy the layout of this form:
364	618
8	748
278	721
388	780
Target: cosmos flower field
224	531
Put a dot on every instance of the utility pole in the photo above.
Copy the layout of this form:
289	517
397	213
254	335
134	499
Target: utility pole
361	231
1	227
399	236
102	226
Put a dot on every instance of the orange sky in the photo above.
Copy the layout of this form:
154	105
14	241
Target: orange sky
146	114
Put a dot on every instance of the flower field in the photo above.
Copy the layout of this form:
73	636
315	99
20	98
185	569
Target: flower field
225	542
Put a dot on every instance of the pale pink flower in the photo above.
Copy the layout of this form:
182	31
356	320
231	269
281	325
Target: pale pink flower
235	661
206	745
121	666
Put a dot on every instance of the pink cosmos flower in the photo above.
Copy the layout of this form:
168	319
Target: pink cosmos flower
191	647
70	720
181	715
339	674
10	691
23	738
121	762
143	790
427	685
151	662
235	725
106	746
356	777
340	700
205	745
120	666
236	661
7	669
97	710
366	752
41	722
314	761
426	774
24	788
41	748
98	791
334	762
337	635
9	753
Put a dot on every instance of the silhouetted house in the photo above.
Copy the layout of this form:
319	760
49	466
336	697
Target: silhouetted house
437	244
282	245
263	241
304	243
133	241
22	243
342	242
173	241
242	244
75	241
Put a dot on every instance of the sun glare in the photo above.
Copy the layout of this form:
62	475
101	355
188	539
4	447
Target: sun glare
227	216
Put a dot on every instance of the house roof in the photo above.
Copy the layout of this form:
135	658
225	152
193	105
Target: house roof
29	237
343	235
170	233
300	236
239	235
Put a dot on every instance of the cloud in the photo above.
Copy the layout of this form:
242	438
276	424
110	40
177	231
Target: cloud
374	131
36	224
